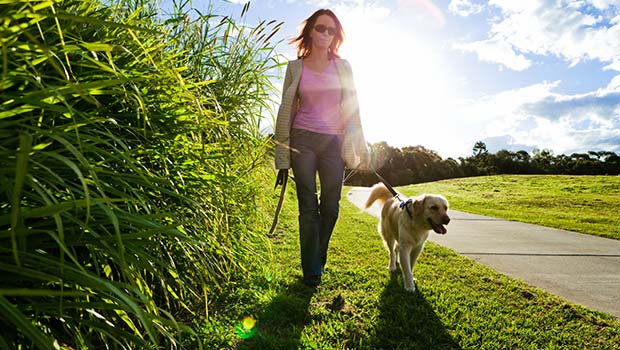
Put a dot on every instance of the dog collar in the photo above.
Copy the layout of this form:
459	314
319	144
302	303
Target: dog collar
404	205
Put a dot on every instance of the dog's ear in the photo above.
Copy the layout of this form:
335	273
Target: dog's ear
418	204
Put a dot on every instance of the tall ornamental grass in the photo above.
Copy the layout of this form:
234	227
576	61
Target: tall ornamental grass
128	140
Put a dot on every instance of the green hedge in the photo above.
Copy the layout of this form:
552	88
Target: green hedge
128	139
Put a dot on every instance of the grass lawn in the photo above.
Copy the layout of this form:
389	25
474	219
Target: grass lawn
459	304
587	204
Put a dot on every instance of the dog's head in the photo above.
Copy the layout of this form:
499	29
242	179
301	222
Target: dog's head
433	209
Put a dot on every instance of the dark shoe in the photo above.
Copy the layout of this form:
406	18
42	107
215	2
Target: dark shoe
312	281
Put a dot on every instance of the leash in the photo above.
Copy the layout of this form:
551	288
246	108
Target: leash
403	204
282	179
389	187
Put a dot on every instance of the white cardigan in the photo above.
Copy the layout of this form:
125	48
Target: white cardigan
354	147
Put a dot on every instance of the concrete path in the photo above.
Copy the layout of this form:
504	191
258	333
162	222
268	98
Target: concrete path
580	268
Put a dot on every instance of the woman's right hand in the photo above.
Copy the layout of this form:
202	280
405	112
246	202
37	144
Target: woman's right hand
282	175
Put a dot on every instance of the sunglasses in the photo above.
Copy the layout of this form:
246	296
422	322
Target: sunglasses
321	28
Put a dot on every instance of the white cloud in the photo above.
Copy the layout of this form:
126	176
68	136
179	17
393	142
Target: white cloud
614	84
604	4
464	8
613	66
573	32
597	106
496	51
538	117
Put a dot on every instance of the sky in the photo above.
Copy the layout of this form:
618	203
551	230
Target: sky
515	74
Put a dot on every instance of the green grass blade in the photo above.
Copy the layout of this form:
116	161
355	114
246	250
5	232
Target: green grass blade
11	313
21	169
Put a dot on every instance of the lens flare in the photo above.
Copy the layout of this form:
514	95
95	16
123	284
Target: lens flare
379	153
246	328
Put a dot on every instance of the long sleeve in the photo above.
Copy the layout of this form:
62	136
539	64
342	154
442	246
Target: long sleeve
285	115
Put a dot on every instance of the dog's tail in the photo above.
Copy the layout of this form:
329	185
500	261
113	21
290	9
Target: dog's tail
378	192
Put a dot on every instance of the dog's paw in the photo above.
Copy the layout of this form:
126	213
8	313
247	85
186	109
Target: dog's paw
410	289
410	286
392	268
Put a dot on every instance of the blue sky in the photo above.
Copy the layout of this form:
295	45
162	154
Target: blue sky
516	74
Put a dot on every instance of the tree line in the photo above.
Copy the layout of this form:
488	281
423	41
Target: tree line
417	164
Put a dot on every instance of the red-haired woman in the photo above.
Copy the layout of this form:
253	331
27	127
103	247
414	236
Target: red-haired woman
318	130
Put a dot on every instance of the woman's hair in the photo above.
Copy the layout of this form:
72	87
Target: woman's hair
303	42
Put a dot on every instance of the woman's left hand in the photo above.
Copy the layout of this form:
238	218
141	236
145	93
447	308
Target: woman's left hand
364	164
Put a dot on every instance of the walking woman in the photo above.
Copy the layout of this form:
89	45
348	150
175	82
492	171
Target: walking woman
318	130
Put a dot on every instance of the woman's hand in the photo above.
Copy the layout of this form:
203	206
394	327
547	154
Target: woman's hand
282	174
364	164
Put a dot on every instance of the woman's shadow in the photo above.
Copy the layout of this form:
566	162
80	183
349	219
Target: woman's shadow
408	321
281	323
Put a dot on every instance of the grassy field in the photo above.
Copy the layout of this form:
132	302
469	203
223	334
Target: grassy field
587	204
459	304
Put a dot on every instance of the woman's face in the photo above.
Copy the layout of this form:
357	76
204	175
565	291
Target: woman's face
327	25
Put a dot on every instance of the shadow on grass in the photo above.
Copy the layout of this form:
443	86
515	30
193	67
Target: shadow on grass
281	323
407	321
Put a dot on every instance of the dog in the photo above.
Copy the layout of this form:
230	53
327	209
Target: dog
405	226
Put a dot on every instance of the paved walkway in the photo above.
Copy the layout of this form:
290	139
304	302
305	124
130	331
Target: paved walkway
582	269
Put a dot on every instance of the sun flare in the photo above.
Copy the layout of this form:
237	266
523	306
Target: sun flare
402	83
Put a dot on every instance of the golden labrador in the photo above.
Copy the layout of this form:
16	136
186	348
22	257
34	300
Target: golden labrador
404	226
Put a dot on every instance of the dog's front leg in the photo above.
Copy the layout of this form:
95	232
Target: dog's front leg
404	255
415	253
393	256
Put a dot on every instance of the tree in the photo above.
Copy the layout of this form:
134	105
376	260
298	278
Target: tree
480	148
544	160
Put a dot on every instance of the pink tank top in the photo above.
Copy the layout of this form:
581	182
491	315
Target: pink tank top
320	95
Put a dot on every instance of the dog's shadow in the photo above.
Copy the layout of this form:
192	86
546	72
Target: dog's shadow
281	323
408	321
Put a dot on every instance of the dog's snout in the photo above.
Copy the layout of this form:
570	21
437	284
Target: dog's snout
446	220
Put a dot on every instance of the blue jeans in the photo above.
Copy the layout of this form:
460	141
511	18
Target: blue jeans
311	153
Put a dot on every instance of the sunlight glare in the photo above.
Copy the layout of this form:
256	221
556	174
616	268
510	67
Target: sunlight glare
404	88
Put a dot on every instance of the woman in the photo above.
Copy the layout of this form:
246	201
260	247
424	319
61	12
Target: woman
318	129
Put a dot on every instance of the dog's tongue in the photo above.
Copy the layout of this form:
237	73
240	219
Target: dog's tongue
441	229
